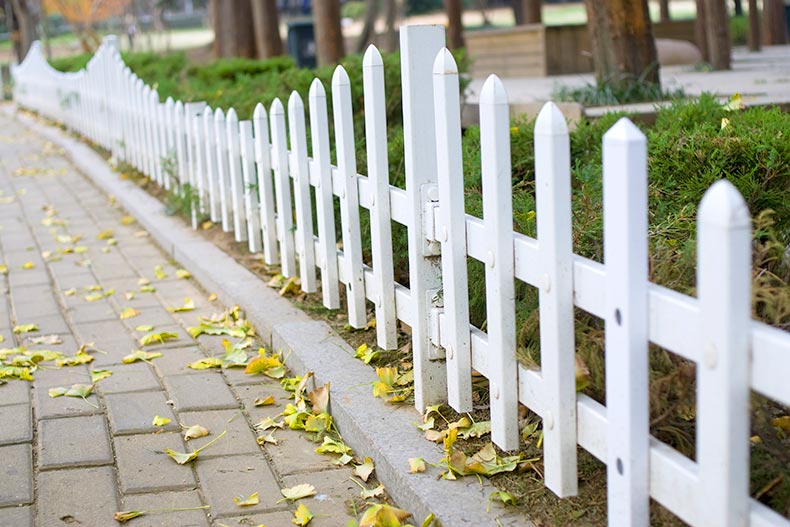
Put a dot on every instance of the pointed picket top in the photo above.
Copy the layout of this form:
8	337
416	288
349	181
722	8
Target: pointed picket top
259	112
219	115
624	131
154	95
231	117
317	90
146	91
277	107
295	102
372	58
139	83
550	121
445	63
724	206
208	113
179	106
340	77
169	101
493	91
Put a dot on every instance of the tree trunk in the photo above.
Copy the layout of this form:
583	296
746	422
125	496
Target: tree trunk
624	50
266	20
234	34
738	7
717	31
25	18
700	32
328	36
664	9
369	26
391	13
754	26
481	5
774	29
455	25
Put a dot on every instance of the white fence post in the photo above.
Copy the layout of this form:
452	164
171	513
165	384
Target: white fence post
234	174
170	143
300	172
419	46
221	138
500	262
249	187
210	155
380	221
324	200
198	162
625	257
263	160
452	231
557	343
724	288
349	198
180	147
282	189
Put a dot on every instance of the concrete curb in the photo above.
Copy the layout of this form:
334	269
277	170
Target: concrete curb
372	428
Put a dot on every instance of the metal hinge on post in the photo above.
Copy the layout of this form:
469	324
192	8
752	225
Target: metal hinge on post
435	314
429	219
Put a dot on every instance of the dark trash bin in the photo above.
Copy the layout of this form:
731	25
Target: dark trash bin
301	43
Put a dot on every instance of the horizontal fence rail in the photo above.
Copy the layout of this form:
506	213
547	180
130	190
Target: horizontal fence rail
258	180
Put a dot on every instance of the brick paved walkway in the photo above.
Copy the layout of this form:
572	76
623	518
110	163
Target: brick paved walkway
66	462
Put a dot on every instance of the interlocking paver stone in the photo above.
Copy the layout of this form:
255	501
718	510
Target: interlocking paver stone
16	475
17	426
273	519
73	442
240	439
137	377
206	391
84	496
162	500
144	467
16	516
224	478
17	392
174	361
132	413
293	454
49	407
334	487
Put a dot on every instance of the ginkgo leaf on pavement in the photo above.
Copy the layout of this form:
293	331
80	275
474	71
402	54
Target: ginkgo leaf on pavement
97	375
25	328
297	492
267	401
364	470
247	502
136	355
416	464
157	338
195	431
48	340
302	516
205	364
129	312
183	458
183	274
188	305
160	421
376	492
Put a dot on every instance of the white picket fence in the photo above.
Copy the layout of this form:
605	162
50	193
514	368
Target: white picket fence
222	158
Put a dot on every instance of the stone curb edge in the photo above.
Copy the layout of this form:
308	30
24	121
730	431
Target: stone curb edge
371	427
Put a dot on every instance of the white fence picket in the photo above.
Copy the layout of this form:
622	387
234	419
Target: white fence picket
451	231
380	221
352	270
179	137
221	138
263	160
250	187
235	177
300	172
724	287
282	189
321	170
557	344
625	256
210	157
499	262
171	173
